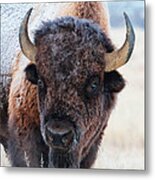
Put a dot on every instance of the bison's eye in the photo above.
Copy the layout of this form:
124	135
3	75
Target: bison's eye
40	83
92	86
42	87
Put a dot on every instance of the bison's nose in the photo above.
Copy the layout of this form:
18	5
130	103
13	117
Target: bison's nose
59	136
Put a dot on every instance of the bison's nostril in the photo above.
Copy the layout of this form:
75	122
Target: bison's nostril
67	138
50	139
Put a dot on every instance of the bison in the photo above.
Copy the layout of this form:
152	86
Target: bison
64	87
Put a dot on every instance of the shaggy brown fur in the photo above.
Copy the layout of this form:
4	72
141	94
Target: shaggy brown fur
23	117
22	96
70	59
89	10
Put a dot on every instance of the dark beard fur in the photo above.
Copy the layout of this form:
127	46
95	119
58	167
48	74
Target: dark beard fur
59	159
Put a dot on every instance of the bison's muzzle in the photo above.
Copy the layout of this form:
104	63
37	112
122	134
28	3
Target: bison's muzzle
59	134
61	138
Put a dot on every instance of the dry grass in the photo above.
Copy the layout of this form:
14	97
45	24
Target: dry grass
123	143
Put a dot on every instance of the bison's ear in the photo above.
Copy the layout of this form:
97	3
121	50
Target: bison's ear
31	73
113	82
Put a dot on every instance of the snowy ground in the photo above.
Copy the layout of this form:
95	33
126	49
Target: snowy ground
123	142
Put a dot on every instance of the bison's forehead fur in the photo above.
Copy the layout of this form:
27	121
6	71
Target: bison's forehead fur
70	51
69	46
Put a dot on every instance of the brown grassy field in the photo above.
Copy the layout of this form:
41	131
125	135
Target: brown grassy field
123	142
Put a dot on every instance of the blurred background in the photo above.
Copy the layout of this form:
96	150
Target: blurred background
134	8
123	141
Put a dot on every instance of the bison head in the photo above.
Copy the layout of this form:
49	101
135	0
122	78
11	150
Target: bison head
74	66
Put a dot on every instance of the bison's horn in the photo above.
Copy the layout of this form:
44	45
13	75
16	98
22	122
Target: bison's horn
26	45
121	56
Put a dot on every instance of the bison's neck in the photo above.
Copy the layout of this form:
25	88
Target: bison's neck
95	11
